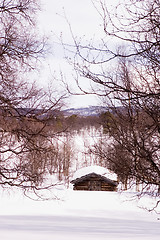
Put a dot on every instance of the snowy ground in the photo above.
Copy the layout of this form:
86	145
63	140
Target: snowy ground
81	215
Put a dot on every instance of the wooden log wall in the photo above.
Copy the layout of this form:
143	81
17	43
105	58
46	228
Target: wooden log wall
85	185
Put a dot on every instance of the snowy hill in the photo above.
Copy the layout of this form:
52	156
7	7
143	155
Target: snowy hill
91	110
88	111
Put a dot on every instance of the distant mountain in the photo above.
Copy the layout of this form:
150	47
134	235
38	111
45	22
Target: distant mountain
87	111
44	113
92	110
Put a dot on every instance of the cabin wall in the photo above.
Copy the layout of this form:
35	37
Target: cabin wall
81	186
108	187
90	185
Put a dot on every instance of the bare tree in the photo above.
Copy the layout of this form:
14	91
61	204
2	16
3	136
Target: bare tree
26	135
127	76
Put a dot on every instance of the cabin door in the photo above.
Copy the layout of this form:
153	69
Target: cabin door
94	186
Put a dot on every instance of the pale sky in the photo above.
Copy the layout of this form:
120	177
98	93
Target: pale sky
84	21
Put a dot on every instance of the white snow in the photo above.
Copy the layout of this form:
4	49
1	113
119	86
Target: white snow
95	169
80	215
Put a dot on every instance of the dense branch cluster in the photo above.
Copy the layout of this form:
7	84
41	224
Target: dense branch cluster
26	150
127	75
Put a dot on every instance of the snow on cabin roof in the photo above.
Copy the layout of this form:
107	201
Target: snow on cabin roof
95	169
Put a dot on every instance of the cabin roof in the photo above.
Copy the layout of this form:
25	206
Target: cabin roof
92	175
95	169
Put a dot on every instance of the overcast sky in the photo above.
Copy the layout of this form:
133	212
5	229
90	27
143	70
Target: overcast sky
84	20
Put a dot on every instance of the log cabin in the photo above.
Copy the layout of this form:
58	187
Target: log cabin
94	182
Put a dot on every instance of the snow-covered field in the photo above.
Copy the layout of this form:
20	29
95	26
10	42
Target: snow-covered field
79	215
